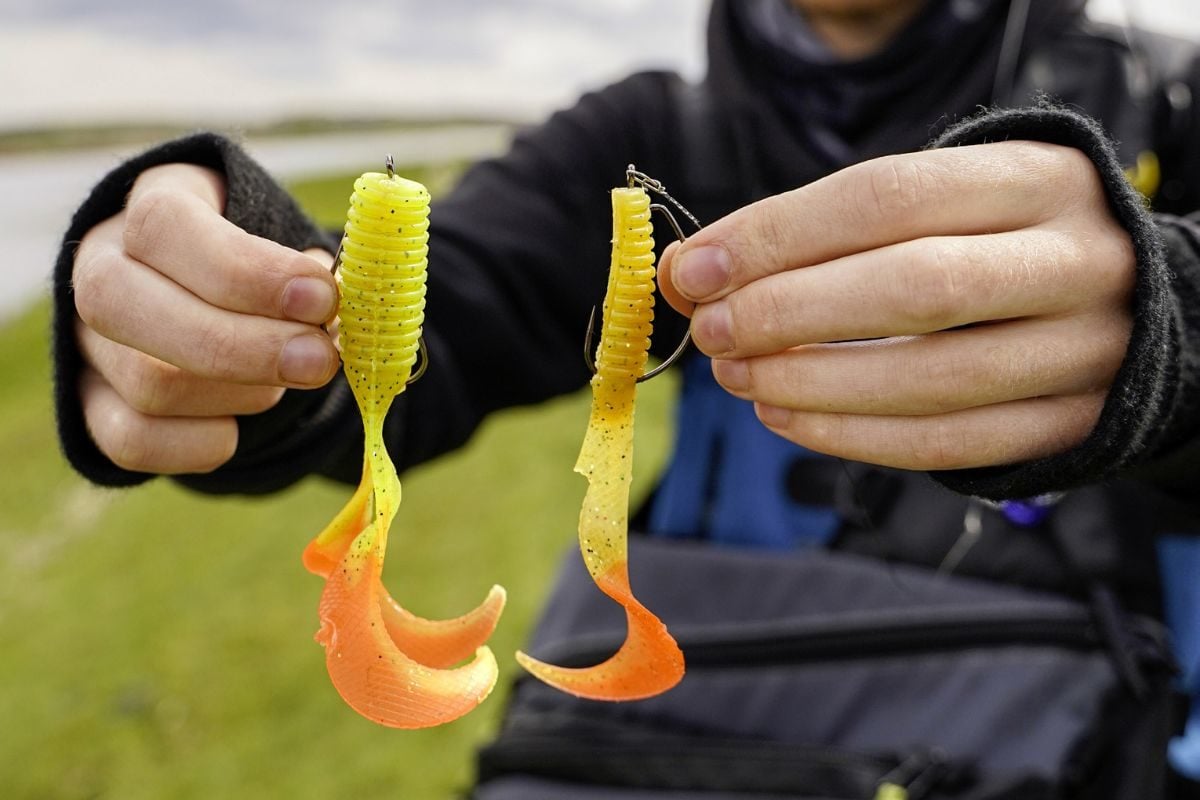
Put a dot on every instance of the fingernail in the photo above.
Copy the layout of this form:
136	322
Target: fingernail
732	373
712	328
309	300
701	272
305	360
773	416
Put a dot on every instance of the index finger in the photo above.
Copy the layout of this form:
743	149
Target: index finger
174	225
956	191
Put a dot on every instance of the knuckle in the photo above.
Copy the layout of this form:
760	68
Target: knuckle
825	433
124	436
139	442
775	314
1100	259
152	386
1074	168
264	268
1124	254
759	243
761	317
1069	169
90	282
1111	256
256	274
149	219
930	286
943	380
1040	161
1034	368
221	353
774	222
895	189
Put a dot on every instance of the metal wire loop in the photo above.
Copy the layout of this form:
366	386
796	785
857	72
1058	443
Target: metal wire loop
636	177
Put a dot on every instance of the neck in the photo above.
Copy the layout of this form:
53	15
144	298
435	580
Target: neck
858	29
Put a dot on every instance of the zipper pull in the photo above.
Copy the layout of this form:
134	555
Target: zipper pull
913	777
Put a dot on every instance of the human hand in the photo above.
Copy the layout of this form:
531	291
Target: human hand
953	308
185	320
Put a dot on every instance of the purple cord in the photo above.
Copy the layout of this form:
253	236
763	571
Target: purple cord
1031	511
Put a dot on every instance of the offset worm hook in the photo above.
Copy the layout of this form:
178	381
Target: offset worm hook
422	350
636	178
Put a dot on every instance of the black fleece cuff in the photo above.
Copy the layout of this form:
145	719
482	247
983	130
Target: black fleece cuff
254	202
1132	426
1175	466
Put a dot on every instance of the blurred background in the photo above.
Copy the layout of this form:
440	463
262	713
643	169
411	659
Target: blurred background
157	644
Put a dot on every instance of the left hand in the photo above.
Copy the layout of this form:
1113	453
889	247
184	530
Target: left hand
953	308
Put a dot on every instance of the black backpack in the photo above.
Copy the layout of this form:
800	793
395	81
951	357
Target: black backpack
828	676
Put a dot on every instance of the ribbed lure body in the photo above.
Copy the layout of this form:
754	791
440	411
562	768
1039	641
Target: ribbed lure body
384	260
649	662
388	664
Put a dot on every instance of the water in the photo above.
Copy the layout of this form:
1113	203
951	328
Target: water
39	192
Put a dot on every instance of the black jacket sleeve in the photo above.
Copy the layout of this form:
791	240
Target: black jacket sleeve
253	201
1149	426
518	256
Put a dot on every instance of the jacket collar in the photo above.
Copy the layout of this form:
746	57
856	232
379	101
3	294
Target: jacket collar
769	71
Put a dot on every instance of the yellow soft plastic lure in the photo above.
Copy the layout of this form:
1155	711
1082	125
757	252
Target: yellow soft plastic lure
649	662
388	664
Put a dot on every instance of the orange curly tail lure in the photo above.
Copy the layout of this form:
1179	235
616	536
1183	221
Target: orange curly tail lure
389	665
649	662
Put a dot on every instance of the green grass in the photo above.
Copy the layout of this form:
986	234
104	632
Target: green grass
158	643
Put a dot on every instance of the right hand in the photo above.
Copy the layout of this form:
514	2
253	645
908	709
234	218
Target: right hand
185	320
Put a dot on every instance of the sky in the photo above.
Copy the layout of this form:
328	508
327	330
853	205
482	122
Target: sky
244	61
116	59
